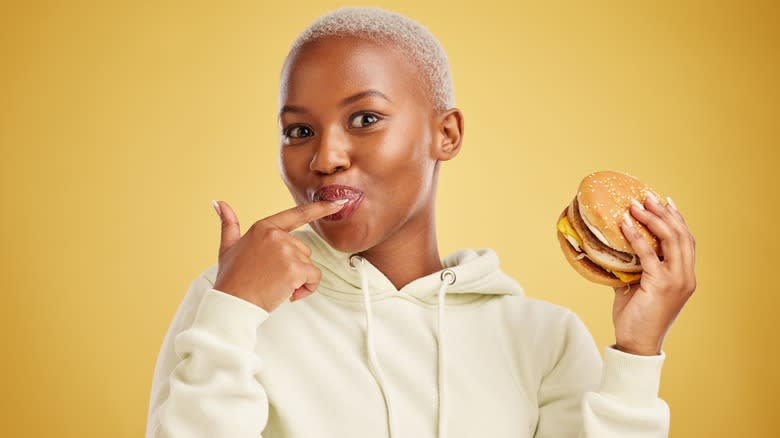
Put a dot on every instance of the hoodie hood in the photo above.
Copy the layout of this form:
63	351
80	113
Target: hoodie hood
477	273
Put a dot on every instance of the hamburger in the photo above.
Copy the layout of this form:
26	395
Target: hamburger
589	231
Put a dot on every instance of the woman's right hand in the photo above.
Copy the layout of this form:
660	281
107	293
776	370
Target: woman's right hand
267	265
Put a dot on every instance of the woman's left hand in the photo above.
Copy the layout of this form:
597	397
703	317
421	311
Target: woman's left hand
644	313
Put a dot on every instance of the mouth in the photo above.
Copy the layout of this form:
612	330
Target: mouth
335	192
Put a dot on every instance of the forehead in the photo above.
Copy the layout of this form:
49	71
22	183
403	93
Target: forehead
333	67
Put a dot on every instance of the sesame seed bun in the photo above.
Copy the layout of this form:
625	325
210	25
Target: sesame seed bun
603	197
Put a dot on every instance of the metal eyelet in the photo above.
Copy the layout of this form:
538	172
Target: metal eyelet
353	263
448	273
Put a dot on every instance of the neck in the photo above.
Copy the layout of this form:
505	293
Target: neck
410	253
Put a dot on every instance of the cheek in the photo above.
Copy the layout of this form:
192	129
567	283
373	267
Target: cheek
405	150
402	163
290	165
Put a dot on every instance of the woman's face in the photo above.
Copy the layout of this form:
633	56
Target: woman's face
357	123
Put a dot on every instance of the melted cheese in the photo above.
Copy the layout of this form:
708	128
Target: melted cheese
626	277
568	232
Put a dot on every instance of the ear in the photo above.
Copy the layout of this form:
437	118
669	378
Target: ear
449	134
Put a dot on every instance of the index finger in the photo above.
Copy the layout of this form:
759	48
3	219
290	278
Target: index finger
294	217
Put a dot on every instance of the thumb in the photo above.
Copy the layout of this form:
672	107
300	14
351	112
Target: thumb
230	226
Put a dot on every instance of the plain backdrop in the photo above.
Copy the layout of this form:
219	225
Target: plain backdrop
120	121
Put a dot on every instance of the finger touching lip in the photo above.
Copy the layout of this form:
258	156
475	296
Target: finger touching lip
346	211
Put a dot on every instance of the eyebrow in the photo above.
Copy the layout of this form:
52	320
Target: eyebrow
346	101
363	94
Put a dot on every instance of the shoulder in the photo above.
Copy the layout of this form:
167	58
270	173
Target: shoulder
529	310
544	326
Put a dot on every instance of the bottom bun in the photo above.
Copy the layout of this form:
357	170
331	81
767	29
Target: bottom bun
585	266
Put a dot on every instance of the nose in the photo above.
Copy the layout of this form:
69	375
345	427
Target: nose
332	153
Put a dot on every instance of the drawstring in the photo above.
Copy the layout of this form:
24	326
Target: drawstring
447	279
372	360
442	356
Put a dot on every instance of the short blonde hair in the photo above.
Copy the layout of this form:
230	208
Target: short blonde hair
383	26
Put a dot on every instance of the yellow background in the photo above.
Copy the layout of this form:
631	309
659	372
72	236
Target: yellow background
119	123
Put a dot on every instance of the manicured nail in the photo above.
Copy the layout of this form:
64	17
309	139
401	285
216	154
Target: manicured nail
627	220
340	201
669	200
652	198
637	204
216	208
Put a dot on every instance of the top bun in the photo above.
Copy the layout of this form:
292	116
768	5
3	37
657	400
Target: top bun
603	197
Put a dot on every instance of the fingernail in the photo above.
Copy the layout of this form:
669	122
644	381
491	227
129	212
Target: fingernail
652	198
216	208
627	220
637	204
340	201
669	200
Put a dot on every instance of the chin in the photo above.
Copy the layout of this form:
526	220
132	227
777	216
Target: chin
344	237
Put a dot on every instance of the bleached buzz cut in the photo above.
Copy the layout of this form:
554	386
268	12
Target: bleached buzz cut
383	26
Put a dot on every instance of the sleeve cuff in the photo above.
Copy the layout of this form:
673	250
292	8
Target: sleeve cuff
635	379
229	317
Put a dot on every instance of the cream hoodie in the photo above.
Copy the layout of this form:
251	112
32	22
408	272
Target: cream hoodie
460	353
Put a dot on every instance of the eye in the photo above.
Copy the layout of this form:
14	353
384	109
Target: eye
362	120
298	131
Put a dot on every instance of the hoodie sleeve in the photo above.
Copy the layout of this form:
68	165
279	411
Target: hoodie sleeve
581	397
205	381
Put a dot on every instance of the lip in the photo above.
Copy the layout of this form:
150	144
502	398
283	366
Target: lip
332	192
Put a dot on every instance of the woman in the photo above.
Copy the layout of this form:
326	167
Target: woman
396	341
